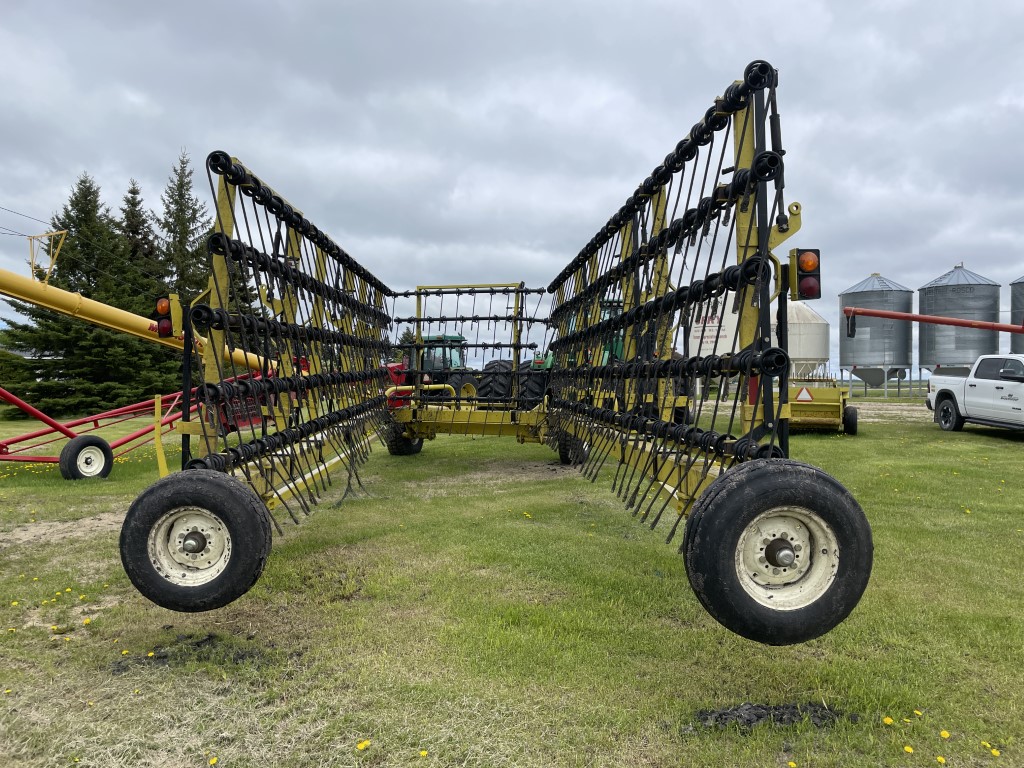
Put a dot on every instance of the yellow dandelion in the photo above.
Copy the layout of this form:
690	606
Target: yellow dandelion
363	744
136	692
87	621
986	745
67	639
7	691
918	712
791	764
91	703
53	628
35	578
81	597
908	749
906	719
105	586
940	760
213	760
887	720
68	589
944	734
150	655
11	630
996	752
14	602
124	653
423	753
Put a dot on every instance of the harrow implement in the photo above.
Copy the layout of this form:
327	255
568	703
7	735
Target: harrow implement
597	365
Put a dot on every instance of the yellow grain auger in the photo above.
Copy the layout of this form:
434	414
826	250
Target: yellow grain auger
597	364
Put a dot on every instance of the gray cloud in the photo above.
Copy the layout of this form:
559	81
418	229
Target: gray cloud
488	140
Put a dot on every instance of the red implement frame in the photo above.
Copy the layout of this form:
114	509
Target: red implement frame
170	406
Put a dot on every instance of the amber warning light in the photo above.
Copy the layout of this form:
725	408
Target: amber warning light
162	316
804	274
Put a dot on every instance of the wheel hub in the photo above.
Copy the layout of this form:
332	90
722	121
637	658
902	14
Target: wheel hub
786	558
193	543
189	546
90	461
780	553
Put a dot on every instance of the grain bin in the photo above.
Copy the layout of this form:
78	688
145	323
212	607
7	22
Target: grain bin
882	348
966	295
1017	315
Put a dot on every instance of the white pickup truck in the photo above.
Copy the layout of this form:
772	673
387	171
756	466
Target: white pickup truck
991	394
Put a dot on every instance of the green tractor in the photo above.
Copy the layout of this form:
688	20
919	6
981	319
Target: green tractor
444	362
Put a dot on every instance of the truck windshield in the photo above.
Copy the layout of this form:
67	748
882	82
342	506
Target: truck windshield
456	357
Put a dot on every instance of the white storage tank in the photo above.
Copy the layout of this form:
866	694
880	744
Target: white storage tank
808	337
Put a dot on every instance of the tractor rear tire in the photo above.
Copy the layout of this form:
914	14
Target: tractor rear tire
495	383
850	420
466	387
195	540
778	551
86	456
532	386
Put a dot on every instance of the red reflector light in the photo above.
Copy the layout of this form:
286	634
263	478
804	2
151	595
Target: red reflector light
810	288
164	328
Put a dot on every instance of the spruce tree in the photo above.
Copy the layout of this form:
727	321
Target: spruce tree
73	368
183	227
159	368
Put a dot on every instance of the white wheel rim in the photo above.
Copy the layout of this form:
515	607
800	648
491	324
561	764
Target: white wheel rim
90	461
787	558
189	546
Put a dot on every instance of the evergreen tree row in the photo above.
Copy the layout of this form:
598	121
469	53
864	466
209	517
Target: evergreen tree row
125	260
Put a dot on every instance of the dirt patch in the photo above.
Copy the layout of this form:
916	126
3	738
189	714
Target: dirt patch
532	470
891	412
50	532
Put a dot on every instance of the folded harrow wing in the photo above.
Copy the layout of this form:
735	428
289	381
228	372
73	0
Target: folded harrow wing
597	365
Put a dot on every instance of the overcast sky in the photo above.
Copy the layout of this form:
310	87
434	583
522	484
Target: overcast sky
487	141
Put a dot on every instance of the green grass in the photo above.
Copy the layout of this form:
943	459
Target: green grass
488	606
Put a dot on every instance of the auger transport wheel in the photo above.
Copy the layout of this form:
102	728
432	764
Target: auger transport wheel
86	456
195	540
778	551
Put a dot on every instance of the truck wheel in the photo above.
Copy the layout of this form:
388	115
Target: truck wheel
778	551
850	420
86	456
948	416
195	540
